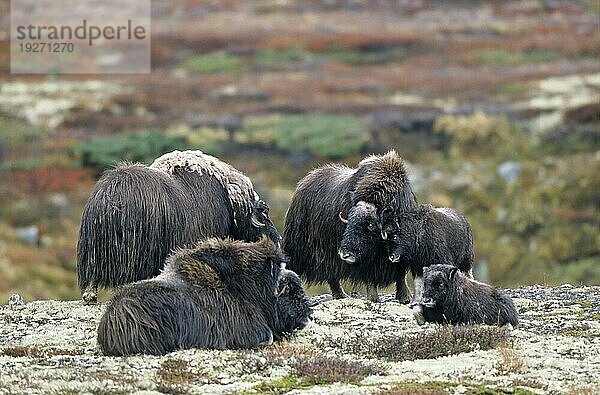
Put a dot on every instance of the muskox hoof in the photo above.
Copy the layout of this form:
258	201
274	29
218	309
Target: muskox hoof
372	295
403	297
339	295
373	298
267	342
418	314
89	297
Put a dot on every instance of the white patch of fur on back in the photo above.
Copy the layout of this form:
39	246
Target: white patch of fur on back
239	187
169	276
447	211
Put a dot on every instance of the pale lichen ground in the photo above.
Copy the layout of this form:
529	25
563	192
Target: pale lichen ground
50	347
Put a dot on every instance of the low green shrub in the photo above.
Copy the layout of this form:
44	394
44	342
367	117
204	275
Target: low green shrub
322	135
501	56
142	146
214	63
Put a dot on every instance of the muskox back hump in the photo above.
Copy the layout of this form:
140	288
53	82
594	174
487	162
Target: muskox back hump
213	212
312	227
126	224
137	215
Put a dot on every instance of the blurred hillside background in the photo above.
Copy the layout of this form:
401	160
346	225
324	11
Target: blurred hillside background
495	106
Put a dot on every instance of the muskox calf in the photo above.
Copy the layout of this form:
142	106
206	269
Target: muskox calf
425	235
451	297
222	294
136	215
335	199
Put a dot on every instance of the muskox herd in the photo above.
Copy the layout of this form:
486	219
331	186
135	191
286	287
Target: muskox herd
199	264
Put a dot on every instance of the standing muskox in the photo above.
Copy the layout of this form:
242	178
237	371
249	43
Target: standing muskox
451	297
136	215
222	294
316	221
426	235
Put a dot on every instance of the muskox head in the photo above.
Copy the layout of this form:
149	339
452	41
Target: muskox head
362	233
293	311
437	281
259	224
403	232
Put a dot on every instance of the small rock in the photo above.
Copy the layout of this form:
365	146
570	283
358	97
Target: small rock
510	171
15	300
29	235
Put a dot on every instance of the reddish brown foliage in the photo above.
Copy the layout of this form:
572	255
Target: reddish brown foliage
44	180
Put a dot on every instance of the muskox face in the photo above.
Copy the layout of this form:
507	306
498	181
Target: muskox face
437	280
399	239
362	233
260	224
293	311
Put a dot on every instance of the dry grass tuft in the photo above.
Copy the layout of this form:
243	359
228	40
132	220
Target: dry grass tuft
173	377
442	341
326	370
34	352
511	362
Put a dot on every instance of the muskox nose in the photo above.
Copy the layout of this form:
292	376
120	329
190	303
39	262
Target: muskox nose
347	256
428	302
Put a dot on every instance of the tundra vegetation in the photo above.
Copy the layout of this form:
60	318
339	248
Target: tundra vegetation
353	346
505	130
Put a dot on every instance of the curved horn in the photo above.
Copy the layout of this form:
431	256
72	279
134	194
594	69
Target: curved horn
283	291
344	220
255	222
384	235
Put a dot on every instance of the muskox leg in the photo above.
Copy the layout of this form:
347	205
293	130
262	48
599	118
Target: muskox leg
402	292
267	342
90	294
417	300
372	294
336	289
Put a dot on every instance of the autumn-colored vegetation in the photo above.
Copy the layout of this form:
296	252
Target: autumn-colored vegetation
497	116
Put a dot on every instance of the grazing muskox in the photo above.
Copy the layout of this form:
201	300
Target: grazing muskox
451	297
315	224
426	235
136	215
222	294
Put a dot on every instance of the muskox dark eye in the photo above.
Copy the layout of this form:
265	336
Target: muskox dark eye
371	227
395	237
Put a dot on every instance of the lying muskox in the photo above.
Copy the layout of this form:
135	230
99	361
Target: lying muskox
451	297
424	235
333	199
222	294
136	215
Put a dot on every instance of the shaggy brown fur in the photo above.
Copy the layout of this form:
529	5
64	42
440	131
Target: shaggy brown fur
136	215
313	229
221	294
451	297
